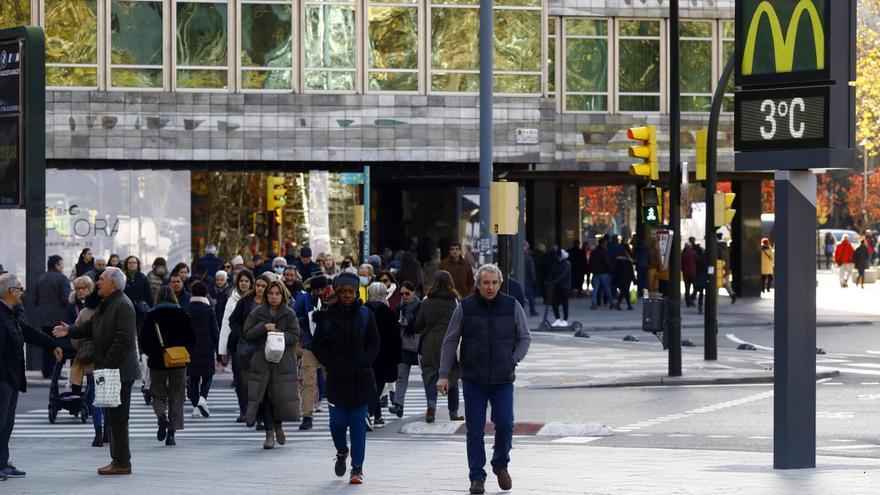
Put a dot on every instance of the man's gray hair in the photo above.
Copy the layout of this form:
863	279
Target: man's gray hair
7	281
221	274
116	275
100	257
377	292
210	249
279	259
488	268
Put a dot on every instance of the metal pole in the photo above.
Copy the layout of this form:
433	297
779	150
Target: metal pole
674	295
486	39
710	314
366	245
794	323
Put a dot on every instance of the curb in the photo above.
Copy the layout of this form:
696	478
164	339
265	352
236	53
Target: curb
672	381
519	429
761	323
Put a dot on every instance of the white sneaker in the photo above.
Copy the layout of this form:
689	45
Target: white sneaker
196	414
318	406
557	323
203	407
563	323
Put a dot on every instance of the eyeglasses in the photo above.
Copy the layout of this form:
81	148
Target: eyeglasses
17	288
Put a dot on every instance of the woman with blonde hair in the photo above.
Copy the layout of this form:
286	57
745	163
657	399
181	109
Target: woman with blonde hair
385	365
84	301
328	265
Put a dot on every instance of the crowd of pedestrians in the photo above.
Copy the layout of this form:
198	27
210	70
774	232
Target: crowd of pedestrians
299	335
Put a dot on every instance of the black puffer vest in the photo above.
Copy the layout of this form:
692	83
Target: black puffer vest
488	339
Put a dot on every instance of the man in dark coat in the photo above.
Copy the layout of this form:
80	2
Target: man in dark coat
206	333
494	335
346	342
530	279
14	332
113	334
689	270
600	267
578	260
560	279
306	267
208	264
51	298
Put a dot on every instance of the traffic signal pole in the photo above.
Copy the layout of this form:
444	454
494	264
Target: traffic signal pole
673	323
710	313
486	92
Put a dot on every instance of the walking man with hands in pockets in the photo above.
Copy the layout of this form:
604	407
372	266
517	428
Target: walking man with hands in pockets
494	335
114	336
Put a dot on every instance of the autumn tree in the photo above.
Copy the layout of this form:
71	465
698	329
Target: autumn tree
868	76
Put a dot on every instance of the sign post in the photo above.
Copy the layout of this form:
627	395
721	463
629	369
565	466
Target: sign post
795	112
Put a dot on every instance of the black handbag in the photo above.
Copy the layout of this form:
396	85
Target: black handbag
245	352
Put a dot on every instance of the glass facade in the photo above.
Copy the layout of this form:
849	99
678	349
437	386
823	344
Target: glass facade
136	59
202	44
267	46
639	66
586	65
330	46
71	43
589	64
695	43
727	40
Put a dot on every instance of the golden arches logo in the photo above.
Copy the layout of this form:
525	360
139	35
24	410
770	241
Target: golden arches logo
783	45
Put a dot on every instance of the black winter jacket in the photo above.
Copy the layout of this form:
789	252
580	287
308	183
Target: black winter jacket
176	328
385	365
14	332
346	342
206	334
237	320
51	297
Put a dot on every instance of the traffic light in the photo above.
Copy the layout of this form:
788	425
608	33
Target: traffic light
647	151
652	207
723	211
259	225
278	216
275	193
702	137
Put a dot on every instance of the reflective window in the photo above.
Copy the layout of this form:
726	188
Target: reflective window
202	45
136	59
586	65
330	46
695	42
15	13
727	39
455	46
393	46
638	66
551	56
267	46
71	43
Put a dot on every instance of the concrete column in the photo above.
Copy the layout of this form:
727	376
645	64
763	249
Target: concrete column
745	250
544	212
569	216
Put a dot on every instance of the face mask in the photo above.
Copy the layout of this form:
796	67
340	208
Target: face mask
161	271
364	281
278	269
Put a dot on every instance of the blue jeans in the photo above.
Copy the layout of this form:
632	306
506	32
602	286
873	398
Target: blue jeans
96	412
355	421
476	398
431	394
530	295
8	402
602	281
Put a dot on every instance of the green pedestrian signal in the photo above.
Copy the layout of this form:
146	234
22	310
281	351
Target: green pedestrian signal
651	215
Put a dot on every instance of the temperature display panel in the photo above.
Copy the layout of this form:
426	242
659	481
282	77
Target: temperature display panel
781	119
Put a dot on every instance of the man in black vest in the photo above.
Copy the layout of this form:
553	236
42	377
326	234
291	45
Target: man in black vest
494	335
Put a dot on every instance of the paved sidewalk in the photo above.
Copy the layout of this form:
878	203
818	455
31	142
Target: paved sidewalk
426	467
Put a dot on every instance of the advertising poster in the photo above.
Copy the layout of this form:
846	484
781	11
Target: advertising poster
10	73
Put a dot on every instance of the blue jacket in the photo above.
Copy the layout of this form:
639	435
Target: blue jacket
302	306
14	332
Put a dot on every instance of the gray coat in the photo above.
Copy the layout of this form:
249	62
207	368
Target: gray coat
114	336
51	298
432	321
281	378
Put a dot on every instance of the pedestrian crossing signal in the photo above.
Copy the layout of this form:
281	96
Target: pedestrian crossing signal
651	215
723	212
647	151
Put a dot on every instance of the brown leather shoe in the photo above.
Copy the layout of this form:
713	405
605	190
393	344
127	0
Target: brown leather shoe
478	487
429	416
111	470
504	481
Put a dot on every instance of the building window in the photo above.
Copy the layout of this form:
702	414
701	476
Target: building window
71	43
727	40
551	57
136	44
455	46
586	65
15	13
393	46
267	46
202	45
638	66
330	46
695	44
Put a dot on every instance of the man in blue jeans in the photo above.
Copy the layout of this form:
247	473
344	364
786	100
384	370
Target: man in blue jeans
14	332
494	335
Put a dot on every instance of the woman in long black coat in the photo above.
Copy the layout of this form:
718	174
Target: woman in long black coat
200	371
137	288
385	365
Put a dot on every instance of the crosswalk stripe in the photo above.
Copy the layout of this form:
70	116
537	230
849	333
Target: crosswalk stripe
221	425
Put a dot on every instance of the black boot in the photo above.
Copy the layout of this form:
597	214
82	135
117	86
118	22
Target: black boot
99	437
169	440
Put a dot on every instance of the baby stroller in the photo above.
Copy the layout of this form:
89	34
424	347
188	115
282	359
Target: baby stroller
75	403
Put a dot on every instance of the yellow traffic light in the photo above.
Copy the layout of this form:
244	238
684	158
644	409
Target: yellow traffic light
723	212
276	193
702	138
278	216
647	151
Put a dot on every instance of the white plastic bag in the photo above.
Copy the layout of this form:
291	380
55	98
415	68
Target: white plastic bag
274	346
107	388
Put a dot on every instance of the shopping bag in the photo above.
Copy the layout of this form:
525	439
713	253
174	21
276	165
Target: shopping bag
107	388
274	346
633	296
